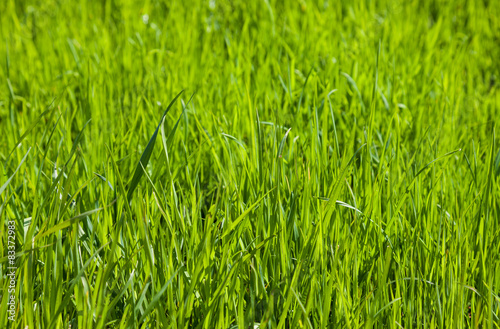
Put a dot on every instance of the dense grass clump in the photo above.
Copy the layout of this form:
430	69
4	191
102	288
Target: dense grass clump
327	165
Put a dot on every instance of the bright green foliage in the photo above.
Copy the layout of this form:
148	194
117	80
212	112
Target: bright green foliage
337	166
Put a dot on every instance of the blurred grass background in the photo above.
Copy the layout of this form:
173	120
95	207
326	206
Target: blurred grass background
336	167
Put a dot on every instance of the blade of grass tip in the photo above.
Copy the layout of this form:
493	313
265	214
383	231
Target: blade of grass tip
144	160
282	144
4	186
355	86
237	141
105	180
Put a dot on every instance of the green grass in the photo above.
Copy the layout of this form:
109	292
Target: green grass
328	165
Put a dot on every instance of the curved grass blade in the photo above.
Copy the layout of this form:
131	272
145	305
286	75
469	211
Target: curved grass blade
104	179
143	162
282	144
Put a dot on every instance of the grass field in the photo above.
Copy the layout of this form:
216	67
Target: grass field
250	164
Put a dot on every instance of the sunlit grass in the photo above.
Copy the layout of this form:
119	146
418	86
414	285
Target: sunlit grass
325	165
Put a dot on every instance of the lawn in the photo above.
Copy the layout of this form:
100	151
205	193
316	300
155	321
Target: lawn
249	164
